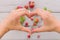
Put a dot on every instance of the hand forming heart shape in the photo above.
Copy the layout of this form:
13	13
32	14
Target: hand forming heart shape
13	20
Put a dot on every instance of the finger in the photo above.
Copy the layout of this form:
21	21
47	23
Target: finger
27	13
44	14
25	29
21	12
41	29
35	12
32	14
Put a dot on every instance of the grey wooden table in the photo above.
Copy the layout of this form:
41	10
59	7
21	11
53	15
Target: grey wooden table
8	5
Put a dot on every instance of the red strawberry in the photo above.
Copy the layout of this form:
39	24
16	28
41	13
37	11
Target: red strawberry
18	7
38	36
28	36
31	4
31	18
34	24
26	24
26	6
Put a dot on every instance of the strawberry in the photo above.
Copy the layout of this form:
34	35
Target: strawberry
26	6
28	36
31	4
34	24
36	20
38	36
26	24
31	18
18	7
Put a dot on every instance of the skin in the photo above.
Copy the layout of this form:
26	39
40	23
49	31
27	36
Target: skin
11	22
50	22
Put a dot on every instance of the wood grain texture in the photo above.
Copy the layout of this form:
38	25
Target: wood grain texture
8	5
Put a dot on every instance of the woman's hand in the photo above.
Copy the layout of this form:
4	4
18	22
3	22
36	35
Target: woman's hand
50	22
11	22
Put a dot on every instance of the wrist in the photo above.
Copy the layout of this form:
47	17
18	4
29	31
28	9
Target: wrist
57	27
3	28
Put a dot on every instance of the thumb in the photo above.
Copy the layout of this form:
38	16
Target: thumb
25	29
22	28
41	29
32	14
